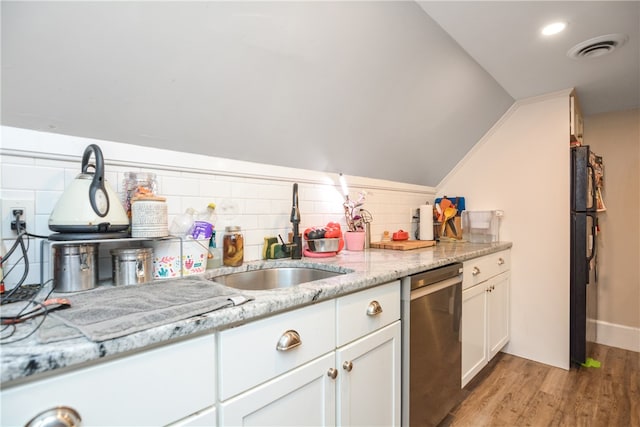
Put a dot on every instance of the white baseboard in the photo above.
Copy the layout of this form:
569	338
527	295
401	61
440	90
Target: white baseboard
619	336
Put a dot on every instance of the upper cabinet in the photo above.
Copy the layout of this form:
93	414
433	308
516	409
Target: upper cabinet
576	123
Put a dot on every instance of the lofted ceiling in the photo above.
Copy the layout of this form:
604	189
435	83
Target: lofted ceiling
393	90
504	38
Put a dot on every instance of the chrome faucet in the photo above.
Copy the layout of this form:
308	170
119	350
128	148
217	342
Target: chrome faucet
296	250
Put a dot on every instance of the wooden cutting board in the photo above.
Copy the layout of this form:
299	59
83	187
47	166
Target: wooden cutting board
403	245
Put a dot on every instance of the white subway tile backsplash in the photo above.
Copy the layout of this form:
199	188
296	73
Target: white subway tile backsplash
214	189
260	206
27	177
271	222
17	194
46	201
41	226
257	206
179	186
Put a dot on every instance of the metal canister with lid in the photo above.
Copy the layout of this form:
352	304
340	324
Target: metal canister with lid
232	246
132	266
75	267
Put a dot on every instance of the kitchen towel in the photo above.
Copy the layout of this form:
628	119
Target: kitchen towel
107	313
426	222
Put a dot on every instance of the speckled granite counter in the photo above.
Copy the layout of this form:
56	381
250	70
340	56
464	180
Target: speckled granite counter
29	358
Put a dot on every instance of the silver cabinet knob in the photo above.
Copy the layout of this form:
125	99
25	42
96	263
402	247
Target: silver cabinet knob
374	308
475	271
500	261
332	373
61	416
290	339
347	366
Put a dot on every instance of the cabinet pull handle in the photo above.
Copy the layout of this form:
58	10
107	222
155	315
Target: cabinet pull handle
347	366
475	271
374	308
61	416
332	373
500	261
288	340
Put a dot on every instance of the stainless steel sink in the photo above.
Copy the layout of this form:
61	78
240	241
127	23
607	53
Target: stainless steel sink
272	278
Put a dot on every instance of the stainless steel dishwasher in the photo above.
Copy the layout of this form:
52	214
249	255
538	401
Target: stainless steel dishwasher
432	311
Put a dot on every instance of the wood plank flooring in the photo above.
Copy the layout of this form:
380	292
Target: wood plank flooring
512	391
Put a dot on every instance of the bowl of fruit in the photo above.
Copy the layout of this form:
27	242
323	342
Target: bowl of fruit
327	239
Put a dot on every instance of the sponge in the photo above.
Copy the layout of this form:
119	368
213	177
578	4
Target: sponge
268	242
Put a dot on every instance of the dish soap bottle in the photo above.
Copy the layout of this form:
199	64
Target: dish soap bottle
214	258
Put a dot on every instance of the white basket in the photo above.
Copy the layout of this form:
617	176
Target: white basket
480	226
166	257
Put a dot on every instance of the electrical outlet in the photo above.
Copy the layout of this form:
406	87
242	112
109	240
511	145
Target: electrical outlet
28	216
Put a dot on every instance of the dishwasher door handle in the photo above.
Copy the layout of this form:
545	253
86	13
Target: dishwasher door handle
429	289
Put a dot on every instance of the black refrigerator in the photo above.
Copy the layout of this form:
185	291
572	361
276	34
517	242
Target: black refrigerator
586	201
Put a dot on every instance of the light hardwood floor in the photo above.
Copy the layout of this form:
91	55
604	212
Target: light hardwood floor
513	391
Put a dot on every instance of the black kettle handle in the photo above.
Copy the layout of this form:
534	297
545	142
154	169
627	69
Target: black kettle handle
97	183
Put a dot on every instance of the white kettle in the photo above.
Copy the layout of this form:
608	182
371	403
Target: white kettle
89	205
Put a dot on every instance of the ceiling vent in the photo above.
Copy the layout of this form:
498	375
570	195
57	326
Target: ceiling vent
597	46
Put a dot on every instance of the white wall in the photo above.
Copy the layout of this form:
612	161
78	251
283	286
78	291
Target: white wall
616	137
522	167
38	166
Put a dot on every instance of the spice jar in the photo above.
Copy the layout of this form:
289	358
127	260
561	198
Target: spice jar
232	246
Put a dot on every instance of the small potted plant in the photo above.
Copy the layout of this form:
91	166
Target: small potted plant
356	219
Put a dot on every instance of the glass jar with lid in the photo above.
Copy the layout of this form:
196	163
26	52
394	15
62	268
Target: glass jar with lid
138	185
232	246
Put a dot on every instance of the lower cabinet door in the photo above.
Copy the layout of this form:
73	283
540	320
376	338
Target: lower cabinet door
303	396
151	388
498	313
369	379
474	331
205	418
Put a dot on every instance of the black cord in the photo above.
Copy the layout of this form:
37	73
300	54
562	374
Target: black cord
6	296
22	312
36	236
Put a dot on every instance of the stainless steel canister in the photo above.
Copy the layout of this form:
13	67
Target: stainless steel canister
132	266
75	267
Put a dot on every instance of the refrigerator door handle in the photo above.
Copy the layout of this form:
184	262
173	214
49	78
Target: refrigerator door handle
593	191
593	236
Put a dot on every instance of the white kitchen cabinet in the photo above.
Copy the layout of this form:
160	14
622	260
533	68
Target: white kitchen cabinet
154	387
205	418
248	355
474	332
303	396
485	311
369	379
352	380
498	313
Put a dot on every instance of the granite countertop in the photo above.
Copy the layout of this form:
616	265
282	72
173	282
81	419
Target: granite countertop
29	358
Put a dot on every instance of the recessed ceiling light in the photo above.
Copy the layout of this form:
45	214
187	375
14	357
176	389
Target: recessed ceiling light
554	28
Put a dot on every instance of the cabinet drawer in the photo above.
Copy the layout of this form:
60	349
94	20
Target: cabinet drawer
147	388
483	268
356	314
248	355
